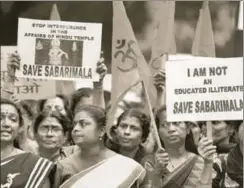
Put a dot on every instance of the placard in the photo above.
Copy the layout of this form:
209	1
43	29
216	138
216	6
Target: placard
204	89
59	50
25	88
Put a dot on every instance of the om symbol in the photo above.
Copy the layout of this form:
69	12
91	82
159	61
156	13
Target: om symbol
128	56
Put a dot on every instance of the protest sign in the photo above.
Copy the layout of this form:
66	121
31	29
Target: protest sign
204	89
59	50
25	88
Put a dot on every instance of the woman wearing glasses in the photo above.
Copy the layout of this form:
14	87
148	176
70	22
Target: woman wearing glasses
51	131
19	168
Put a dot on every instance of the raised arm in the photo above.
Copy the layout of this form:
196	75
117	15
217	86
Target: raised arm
7	89
97	93
159	83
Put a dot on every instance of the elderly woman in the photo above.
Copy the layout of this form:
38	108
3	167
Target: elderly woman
19	168
51	132
94	164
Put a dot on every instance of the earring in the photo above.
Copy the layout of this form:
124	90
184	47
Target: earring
100	137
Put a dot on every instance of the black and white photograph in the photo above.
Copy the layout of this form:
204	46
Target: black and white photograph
134	94
58	52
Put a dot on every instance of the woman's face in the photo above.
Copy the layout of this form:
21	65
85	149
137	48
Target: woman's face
221	131
85	131
50	134
172	133
129	132
10	123
55	104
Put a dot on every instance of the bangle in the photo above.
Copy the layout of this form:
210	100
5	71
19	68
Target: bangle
7	91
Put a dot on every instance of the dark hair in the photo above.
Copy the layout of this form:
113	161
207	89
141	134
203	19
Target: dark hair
63	120
141	116
189	142
9	102
77	96
65	101
30	107
97	113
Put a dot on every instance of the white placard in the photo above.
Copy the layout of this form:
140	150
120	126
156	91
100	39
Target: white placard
204	89
59	50
25	88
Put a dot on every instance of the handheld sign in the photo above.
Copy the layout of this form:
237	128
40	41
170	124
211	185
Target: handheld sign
204	89
25	88
59	50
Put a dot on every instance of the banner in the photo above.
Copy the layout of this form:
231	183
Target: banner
204	89
26	88
59	50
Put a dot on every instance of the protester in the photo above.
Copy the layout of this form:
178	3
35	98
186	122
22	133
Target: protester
178	164
131	131
235	157
51	132
94	164
19	168
222	132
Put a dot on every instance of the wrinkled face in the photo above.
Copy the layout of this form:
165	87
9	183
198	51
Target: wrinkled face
50	134
55	104
9	123
129	132
172	133
85	131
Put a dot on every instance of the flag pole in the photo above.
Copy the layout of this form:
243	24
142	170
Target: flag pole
153	123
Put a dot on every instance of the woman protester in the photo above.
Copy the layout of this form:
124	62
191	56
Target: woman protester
94	165
131	131
222	132
178	164
51	132
19	168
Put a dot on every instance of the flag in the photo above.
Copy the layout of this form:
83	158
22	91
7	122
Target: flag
62	87
164	43
203	44
128	64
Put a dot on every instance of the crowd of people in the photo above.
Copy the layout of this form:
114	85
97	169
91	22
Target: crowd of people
62	142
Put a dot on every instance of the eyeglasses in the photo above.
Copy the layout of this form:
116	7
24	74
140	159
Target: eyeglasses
45	130
57	107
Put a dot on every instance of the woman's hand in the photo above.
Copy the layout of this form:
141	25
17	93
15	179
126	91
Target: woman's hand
159	81
13	64
206	149
161	159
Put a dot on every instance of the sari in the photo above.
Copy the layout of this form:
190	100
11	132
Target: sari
115	172
24	170
235	165
187	175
